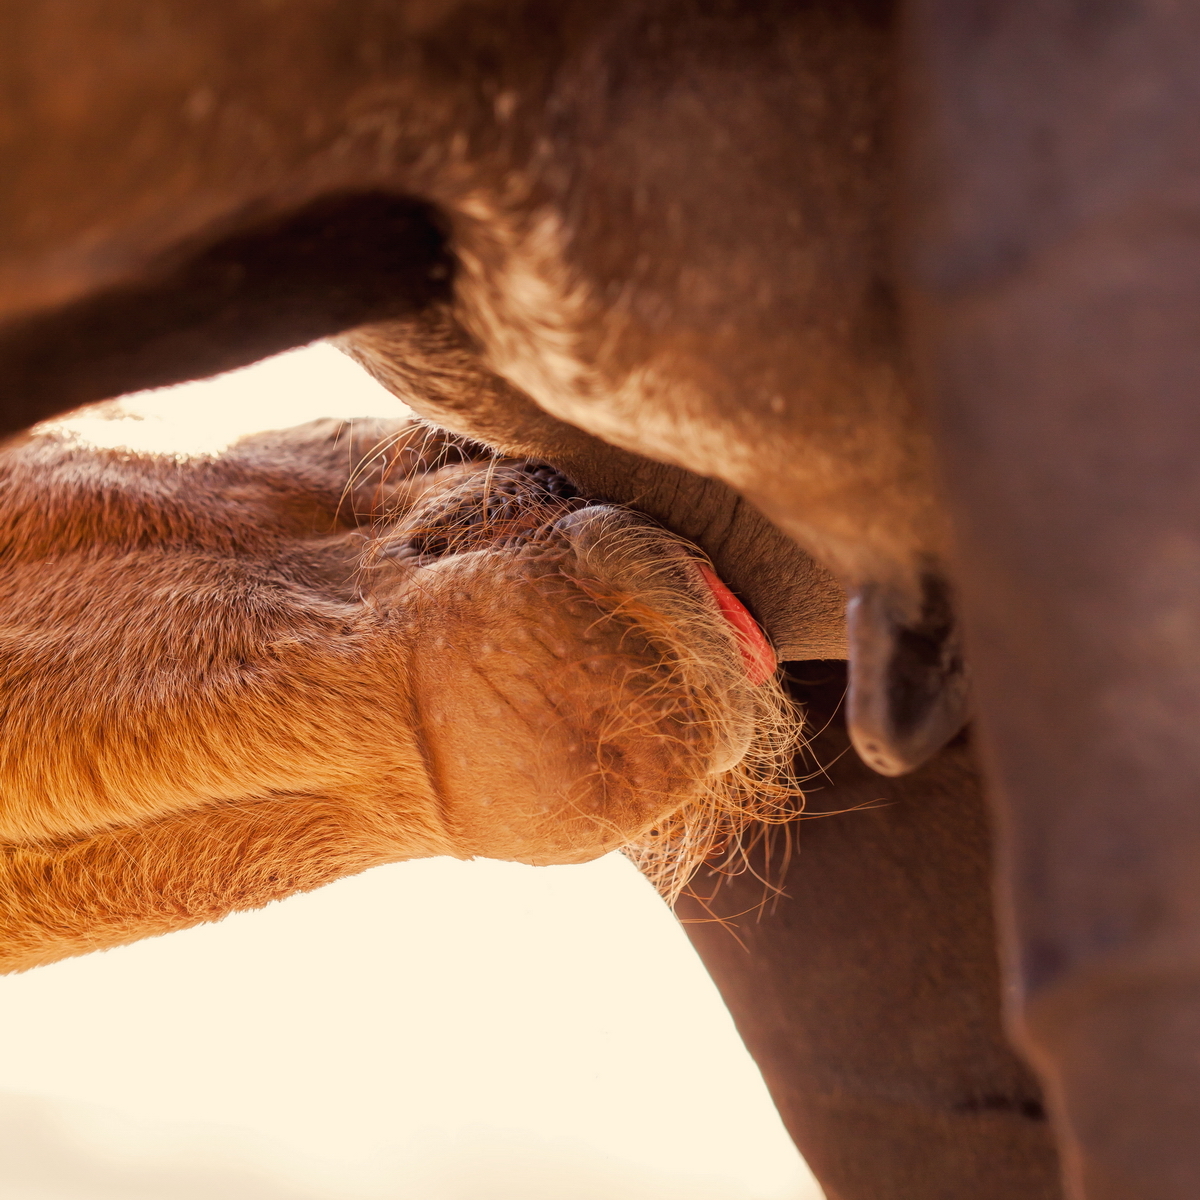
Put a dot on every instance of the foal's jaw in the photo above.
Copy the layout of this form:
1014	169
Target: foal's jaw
573	677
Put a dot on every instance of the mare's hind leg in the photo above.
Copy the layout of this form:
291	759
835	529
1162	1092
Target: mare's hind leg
869	991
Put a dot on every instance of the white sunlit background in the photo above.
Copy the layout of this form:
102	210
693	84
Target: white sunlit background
431	1030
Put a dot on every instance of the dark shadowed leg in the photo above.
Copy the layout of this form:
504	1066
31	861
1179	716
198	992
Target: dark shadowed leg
868	992
1056	280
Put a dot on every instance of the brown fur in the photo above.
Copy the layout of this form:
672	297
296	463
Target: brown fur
629	244
227	679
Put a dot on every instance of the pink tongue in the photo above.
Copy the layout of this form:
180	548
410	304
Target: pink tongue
756	650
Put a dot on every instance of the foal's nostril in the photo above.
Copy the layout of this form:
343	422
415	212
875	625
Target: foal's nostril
547	479
551	481
503	511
